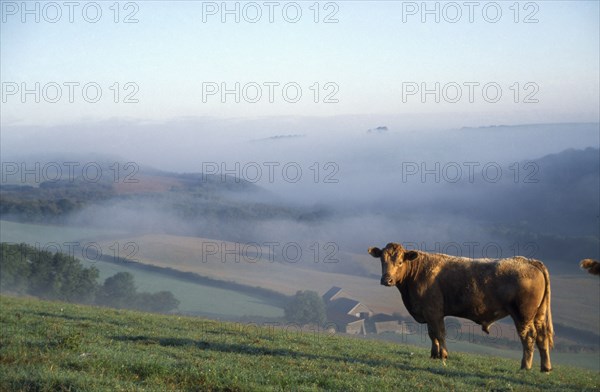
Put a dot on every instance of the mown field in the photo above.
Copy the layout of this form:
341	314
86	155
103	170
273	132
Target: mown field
49	346
194	298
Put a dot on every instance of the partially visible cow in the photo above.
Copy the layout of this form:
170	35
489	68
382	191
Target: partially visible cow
592	266
482	290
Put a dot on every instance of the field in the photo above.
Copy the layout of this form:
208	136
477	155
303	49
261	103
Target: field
194	298
55	346
575	299
185	254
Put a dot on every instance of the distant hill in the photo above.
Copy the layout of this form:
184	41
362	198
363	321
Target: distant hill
208	204
540	126
545	207
280	137
554	202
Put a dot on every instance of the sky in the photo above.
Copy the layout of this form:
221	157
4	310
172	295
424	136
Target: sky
492	62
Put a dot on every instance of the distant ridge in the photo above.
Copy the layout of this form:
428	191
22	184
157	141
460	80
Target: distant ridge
380	129
279	137
494	126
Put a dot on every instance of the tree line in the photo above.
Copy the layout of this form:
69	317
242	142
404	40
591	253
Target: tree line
56	276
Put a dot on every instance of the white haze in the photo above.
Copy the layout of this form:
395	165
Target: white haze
360	159
368	179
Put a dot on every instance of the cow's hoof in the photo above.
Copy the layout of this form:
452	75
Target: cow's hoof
546	370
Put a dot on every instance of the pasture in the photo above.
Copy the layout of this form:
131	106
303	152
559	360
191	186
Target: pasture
48	346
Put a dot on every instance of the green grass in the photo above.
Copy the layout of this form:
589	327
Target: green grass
586	359
56	346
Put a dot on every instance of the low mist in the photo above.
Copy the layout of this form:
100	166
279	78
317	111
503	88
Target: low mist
356	182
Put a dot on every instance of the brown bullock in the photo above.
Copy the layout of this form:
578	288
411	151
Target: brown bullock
482	290
592	266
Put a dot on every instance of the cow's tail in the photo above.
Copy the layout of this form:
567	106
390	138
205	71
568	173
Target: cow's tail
545	307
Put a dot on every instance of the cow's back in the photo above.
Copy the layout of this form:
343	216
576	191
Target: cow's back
486	289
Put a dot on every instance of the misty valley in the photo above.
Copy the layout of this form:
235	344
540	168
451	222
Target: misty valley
284	213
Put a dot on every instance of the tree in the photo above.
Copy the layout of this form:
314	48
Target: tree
14	268
306	307
27	270
118	291
84	288
163	301
59	276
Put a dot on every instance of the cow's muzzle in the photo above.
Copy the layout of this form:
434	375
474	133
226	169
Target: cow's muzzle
387	280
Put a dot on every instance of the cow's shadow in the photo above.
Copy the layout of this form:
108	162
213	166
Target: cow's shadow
256	350
69	317
249	349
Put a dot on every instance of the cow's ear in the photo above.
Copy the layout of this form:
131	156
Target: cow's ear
410	255
375	252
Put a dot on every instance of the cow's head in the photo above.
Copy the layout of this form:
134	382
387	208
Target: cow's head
394	259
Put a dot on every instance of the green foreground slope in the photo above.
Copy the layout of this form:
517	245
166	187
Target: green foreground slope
58	346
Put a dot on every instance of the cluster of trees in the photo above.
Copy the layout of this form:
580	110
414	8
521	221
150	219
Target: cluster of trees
57	276
306	307
119	292
50	201
194	197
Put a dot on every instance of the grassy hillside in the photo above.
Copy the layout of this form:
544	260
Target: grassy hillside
57	346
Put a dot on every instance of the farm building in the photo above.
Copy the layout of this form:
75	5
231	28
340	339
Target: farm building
348	314
333	293
382	322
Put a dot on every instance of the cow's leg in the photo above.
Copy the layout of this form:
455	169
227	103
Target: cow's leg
527	335
485	327
543	345
437	334
435	344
